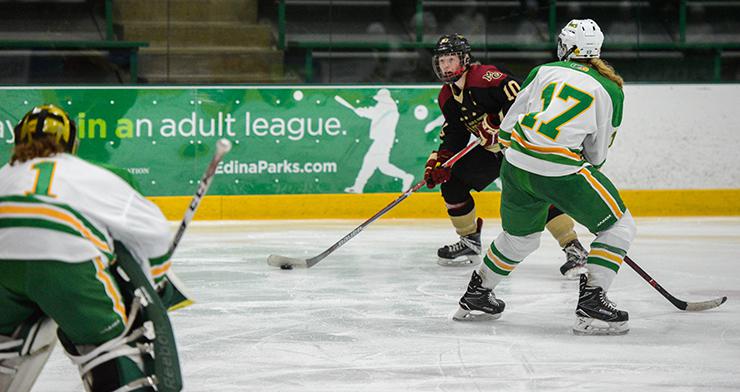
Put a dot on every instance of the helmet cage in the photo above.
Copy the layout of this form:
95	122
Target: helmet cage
454	75
451	45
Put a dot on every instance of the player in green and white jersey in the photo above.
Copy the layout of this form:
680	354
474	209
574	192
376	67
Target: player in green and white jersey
558	132
59	218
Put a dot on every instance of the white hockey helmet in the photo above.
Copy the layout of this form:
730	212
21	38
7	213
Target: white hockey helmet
580	39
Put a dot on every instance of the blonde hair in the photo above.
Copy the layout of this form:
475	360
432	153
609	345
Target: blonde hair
37	148
606	70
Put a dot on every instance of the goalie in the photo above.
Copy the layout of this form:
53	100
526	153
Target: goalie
64	224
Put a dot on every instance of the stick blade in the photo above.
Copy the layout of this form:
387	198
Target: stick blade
279	261
699	306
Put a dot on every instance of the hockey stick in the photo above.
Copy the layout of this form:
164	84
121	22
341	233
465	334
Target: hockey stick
290	262
683	305
177	297
222	147
343	102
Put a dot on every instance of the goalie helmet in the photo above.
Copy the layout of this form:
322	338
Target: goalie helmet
455	45
47	121
580	39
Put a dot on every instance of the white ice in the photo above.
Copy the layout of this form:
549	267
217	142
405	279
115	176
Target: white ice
375	315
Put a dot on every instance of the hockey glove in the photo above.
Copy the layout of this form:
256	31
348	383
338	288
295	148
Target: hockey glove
434	172
487	132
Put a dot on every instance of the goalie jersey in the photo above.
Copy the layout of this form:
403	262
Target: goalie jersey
565	117
73	211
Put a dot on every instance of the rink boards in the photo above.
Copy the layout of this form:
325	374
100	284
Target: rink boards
299	149
706	202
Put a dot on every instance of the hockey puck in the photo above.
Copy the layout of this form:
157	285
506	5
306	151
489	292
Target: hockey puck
286	267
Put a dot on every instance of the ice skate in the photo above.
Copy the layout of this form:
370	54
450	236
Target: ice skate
596	315
464	252
480	300
575	260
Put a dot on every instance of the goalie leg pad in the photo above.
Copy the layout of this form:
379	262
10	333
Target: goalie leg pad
124	363
166	365
24	354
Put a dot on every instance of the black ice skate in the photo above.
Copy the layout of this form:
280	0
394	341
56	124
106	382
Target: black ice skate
480	300
596	315
464	252
575	260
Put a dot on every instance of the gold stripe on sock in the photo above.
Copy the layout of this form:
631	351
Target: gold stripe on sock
465	224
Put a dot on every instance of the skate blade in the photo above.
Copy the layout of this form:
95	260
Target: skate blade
468	315
575	273
468	260
586	326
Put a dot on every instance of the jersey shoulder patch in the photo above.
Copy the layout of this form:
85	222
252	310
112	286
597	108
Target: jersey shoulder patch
485	76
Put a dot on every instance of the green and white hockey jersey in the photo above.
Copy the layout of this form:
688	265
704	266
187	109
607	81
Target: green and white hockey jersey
565	117
65	209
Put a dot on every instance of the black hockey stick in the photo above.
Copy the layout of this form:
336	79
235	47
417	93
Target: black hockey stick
166	361
222	147
290	262
177	298
683	305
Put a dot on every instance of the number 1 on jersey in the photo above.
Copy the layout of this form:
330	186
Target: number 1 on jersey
44	176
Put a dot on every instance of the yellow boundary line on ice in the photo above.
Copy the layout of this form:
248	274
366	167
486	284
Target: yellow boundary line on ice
705	202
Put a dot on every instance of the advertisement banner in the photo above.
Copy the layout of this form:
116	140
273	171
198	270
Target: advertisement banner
286	140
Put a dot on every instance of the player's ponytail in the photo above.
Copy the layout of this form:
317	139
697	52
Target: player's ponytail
606	70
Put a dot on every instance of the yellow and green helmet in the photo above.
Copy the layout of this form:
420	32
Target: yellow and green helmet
47	121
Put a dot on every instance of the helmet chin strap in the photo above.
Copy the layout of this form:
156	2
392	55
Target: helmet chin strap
457	79
456	76
568	53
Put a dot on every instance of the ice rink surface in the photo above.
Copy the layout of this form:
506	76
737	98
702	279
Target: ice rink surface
375	315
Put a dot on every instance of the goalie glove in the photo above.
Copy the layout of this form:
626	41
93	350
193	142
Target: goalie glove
487	132
434	172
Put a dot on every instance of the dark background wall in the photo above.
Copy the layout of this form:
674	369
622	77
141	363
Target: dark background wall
348	41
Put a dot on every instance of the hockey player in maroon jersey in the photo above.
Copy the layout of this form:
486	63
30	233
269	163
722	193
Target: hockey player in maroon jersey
473	100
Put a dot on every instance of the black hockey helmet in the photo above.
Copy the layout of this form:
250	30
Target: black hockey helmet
47	121
451	45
